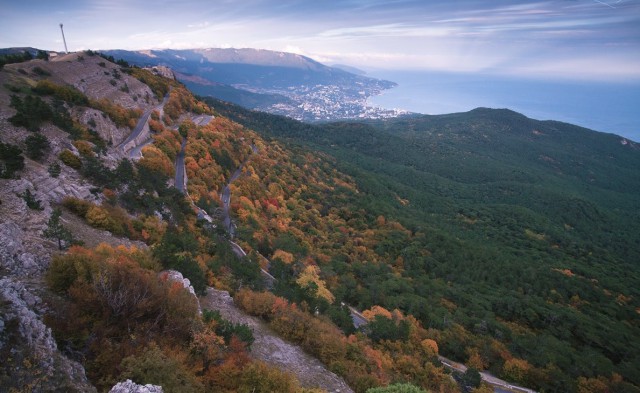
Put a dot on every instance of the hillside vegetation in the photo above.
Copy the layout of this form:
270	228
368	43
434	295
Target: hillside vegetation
514	240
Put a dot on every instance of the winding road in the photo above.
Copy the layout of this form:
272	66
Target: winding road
144	119
499	385
180	182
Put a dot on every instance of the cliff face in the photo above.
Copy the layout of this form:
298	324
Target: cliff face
26	342
31	358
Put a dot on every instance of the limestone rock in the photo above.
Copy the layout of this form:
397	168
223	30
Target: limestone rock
129	386
29	352
176	276
13	257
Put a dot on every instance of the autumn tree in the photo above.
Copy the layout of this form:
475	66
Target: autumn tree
516	370
155	367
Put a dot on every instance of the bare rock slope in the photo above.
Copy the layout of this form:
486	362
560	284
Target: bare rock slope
274	350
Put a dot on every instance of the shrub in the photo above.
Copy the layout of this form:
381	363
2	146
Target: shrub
84	148
41	71
77	206
31	112
70	159
99	217
397	388
154	367
121	116
68	94
228	329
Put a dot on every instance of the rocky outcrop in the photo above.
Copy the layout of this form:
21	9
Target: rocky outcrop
162	71
129	386
31	359
104	126
176	276
14	259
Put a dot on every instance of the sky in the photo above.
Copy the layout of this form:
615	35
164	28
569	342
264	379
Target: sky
565	39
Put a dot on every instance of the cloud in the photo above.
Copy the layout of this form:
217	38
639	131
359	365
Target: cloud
200	25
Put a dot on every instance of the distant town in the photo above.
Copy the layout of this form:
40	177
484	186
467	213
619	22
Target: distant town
329	102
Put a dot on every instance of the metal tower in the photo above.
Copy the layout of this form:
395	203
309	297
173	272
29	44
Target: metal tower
63	40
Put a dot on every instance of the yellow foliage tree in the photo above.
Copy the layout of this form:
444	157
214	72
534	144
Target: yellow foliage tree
153	158
377	310
309	275
475	360
284	256
100	218
430	345
516	369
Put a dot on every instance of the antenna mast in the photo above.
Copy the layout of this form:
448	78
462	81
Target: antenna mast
63	40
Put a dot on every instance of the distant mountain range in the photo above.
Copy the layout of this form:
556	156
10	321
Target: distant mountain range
276	82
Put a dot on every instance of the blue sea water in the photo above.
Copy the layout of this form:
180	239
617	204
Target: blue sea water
612	107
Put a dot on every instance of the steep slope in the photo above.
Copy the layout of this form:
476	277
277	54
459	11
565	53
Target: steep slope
62	122
33	360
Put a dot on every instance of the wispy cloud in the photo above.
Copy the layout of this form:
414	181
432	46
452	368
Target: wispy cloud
526	37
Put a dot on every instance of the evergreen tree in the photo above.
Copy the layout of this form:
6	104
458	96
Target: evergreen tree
36	146
471	378
56	231
43	55
32	202
11	160
54	169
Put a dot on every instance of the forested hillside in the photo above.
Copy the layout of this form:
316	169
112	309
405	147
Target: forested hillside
516	241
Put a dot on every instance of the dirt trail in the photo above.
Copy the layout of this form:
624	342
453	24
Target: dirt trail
273	350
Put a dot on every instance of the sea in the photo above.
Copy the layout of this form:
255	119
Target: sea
612	107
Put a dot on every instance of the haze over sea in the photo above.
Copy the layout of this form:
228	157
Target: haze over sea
612	107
